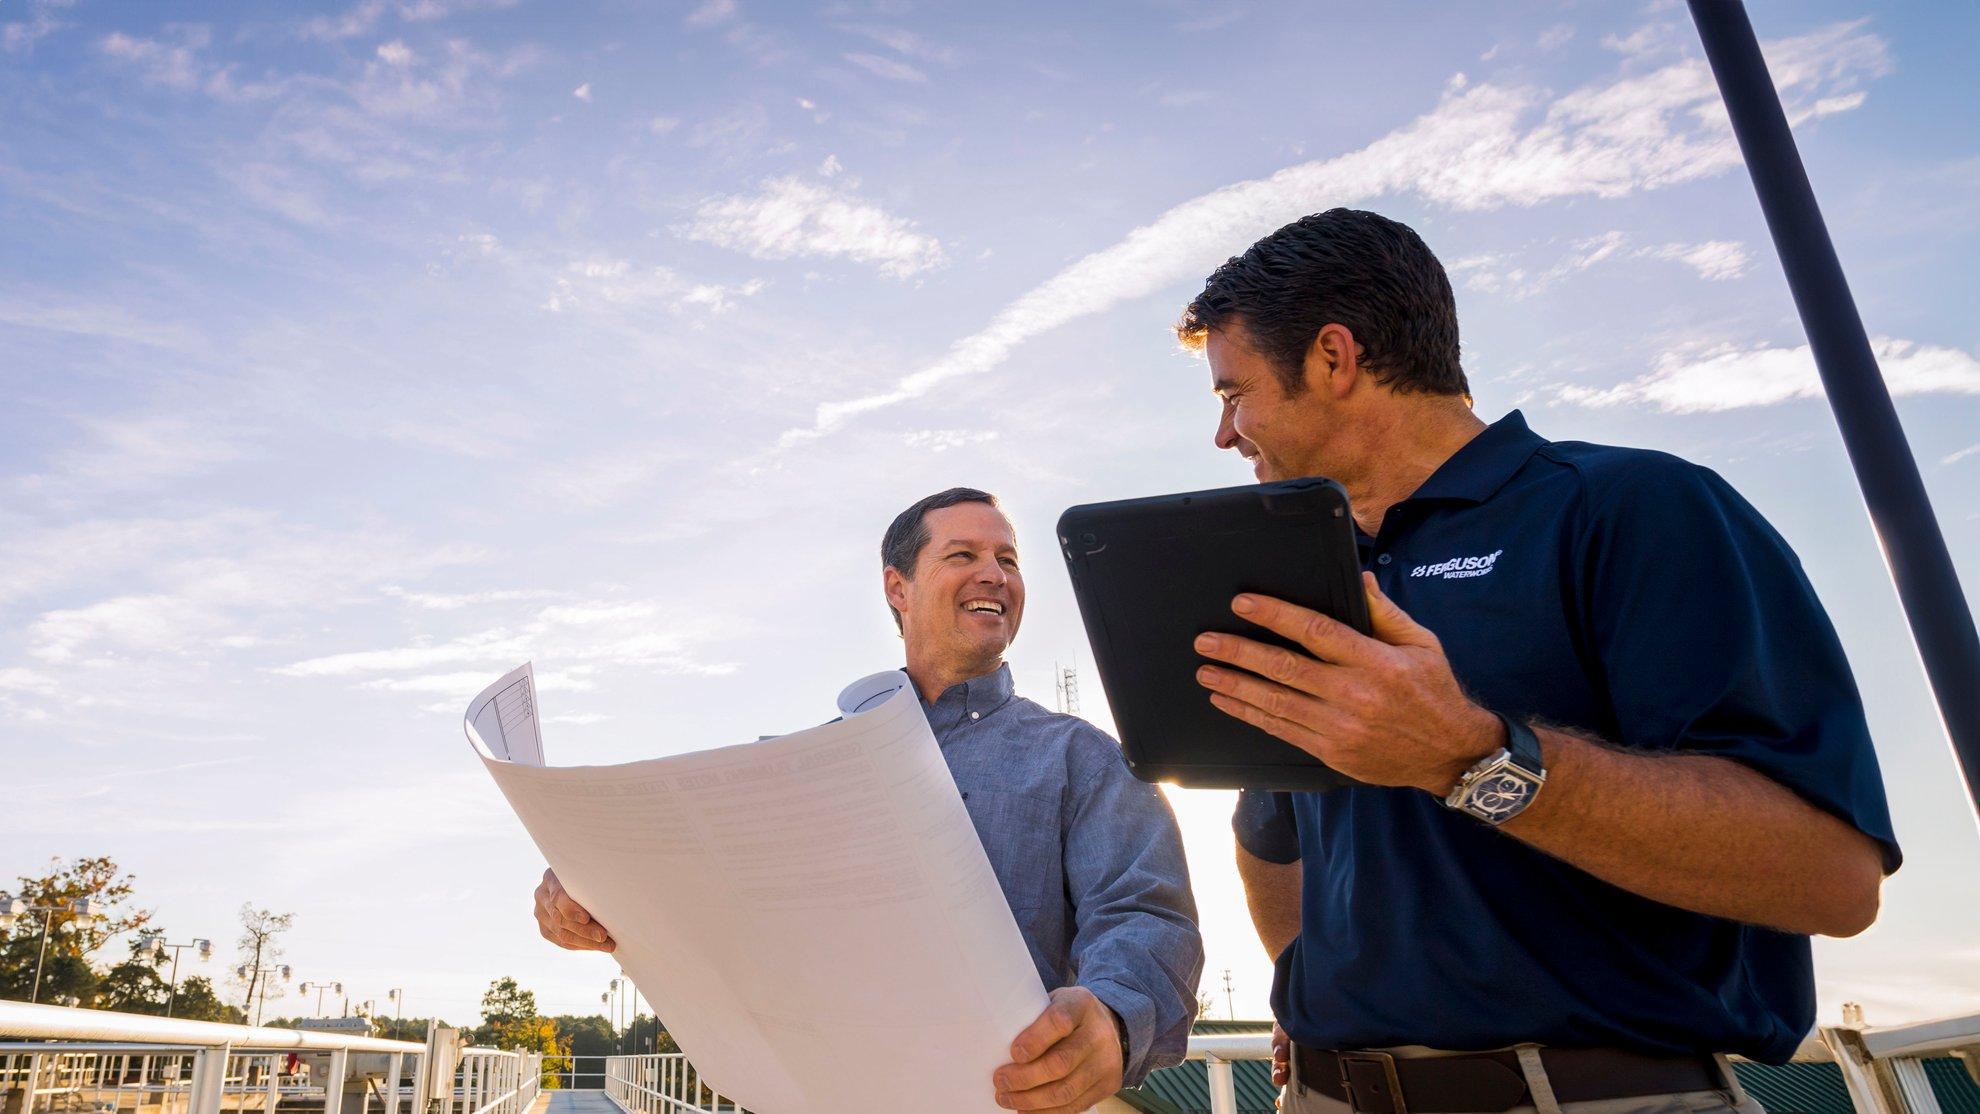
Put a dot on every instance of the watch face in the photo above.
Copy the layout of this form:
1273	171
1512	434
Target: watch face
1500	795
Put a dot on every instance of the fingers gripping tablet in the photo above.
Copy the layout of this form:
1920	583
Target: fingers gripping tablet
1152	574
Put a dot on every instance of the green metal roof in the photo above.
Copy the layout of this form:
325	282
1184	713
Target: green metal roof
1796	1088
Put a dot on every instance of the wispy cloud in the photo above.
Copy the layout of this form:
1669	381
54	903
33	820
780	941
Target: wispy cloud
711	13
584	636
1956	457
616	282
790	217
1733	379
1508	273
363	18
1483	147
893	69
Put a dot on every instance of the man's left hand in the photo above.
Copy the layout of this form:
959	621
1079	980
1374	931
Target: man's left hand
1067	1060
1385	710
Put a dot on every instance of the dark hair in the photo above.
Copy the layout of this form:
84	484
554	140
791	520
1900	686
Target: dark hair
1363	270
902	543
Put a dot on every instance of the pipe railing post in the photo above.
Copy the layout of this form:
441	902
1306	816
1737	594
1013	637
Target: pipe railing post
1900	511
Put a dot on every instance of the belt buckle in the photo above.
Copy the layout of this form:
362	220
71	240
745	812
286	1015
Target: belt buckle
1388	1065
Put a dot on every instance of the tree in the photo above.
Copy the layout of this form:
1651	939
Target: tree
66	971
509	1020
505	1004
260	947
134	986
198	1002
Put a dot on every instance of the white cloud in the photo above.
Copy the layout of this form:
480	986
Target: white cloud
908	44
175	65
617	283
21	35
583	92
1483	147
711	13
1727	378
890	68
586	636
831	167
942	440
1504	273
1955	458
790	217
362	18
661	125
1714	260
395	53
439	601
135	452
1555	37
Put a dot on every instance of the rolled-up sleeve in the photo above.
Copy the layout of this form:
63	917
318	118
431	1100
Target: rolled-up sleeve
1265	826
1135	944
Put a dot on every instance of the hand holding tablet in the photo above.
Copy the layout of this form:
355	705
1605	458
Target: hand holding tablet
1152	574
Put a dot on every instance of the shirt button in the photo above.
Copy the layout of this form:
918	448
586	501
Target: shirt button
976	715
1383	559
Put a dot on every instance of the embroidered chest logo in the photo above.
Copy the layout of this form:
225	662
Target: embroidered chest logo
1459	568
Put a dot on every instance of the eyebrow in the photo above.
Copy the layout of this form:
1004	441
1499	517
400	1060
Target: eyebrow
953	543
1219	386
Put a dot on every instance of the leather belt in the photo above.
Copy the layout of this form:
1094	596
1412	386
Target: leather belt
1490	1082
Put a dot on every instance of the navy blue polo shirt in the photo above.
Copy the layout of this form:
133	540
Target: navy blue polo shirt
1628	594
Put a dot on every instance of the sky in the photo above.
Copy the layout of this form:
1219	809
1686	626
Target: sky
355	353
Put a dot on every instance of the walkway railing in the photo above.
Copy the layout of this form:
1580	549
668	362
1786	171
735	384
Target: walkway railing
97	1062
662	1083
1884	1068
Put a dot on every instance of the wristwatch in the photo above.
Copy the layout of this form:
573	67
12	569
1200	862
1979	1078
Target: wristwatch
1504	782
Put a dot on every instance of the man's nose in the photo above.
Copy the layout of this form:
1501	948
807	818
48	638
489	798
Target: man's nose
1227	434
992	572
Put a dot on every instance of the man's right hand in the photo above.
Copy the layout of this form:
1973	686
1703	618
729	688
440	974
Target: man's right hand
1281	1056
565	923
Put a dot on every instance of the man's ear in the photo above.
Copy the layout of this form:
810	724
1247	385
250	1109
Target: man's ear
895	586
1333	362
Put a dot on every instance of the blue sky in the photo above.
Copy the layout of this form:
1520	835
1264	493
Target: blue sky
356	353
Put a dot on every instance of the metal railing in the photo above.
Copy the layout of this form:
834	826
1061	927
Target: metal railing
1219	1051
1884	1068
662	1083
56	1059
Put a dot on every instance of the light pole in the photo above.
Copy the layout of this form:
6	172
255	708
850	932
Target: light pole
398	999
157	942
85	909
320	987
1230	1010
247	970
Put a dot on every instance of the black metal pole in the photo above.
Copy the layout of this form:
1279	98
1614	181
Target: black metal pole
1900	512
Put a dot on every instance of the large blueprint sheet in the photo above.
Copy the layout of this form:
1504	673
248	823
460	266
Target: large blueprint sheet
811	915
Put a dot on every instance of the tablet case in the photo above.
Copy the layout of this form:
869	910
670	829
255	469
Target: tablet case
1151	574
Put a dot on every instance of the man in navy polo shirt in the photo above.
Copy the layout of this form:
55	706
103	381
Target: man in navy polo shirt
1614	768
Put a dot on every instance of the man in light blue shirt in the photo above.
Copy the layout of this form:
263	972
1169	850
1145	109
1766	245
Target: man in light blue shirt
1089	859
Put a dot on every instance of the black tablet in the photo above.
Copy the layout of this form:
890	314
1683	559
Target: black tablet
1151	574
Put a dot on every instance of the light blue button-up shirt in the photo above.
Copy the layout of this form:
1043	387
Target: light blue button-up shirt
1090	859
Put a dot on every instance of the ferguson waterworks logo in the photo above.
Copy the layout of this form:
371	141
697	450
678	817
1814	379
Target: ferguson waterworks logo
1458	568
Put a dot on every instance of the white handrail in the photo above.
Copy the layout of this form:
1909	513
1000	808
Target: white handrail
20	1020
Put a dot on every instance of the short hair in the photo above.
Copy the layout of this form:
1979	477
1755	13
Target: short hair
1374	275
904	539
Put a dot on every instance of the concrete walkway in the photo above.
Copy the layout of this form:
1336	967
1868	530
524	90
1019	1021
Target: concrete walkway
573	1102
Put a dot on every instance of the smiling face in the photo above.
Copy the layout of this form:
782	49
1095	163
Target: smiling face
1282	436
960	608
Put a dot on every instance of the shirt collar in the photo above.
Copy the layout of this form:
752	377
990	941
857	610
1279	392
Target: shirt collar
972	699
1477	471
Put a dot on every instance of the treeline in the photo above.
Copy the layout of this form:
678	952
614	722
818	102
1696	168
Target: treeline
73	973
136	976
